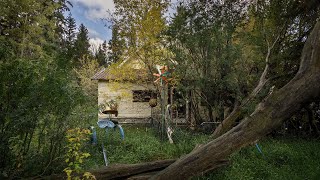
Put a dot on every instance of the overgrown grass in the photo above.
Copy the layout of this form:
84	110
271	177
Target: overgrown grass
283	158
140	145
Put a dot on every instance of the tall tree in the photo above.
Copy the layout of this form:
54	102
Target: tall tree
82	44
116	45
102	54
70	36
28	27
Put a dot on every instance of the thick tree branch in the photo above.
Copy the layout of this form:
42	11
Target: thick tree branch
229	122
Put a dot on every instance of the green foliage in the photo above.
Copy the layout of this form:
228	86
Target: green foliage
37	100
137	31
75	156
40	96
201	36
221	50
123	71
86	70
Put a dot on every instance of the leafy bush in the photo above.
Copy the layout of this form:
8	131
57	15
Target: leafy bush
75	156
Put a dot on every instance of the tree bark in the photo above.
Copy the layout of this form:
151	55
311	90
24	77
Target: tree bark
123	171
268	115
312	122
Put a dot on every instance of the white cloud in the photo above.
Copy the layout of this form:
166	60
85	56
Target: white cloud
96	9
93	33
96	14
95	43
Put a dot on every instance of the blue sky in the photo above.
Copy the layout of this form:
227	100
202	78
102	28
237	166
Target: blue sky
90	13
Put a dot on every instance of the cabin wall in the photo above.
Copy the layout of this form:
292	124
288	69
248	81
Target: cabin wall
126	107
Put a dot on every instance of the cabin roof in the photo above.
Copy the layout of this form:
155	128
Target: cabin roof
102	75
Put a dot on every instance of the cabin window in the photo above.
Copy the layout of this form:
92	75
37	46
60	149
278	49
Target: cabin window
142	95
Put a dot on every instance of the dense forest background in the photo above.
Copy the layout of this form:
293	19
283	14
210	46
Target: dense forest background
45	67
227	56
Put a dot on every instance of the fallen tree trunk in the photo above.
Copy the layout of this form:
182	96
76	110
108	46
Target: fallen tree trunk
124	171
269	114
